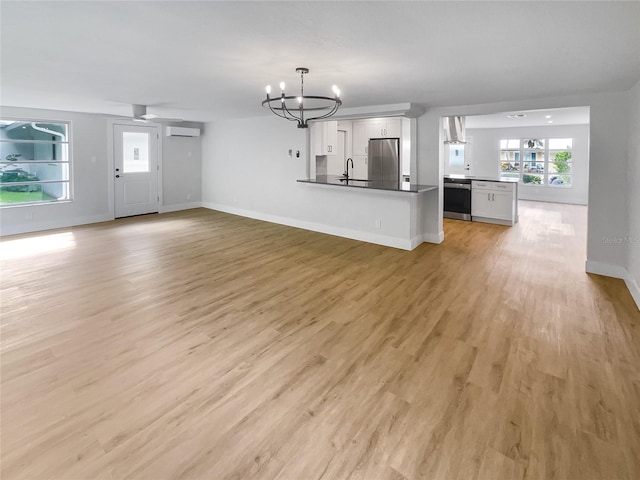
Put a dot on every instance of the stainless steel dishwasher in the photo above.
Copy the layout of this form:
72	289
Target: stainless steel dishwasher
457	198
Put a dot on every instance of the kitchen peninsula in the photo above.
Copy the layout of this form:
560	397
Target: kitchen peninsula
341	181
391	214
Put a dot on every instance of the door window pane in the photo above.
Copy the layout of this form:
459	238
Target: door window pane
135	152
456	155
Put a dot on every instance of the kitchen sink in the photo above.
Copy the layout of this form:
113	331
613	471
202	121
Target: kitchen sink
354	180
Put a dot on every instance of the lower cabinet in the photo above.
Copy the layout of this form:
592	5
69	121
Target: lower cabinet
494	202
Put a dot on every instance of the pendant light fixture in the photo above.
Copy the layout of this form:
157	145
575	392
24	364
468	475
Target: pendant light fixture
298	108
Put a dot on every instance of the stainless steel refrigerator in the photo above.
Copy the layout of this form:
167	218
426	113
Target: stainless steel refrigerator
383	164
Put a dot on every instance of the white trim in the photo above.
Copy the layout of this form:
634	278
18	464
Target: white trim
615	271
634	289
436	238
385	240
179	206
410	110
606	269
52	224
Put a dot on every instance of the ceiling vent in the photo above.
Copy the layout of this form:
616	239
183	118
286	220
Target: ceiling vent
454	130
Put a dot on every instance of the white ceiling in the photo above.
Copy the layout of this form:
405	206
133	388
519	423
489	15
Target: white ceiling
211	60
531	118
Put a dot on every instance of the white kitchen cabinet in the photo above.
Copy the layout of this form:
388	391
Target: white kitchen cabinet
326	137
360	169
494	202
360	137
385	128
363	130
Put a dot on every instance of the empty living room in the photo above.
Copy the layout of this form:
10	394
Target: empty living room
204	278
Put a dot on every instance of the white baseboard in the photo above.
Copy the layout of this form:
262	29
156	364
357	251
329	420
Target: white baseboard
52	224
179	206
387	241
634	289
434	237
606	269
615	271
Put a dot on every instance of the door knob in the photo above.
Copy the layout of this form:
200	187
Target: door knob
117	176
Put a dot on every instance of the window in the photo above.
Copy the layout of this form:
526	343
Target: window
34	162
537	161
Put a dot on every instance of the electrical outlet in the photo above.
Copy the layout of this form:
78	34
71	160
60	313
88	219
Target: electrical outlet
188	196
378	223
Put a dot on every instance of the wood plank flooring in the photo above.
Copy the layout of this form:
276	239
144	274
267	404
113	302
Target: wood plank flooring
201	345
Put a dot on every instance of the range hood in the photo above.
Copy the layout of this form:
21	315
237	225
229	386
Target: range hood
454	130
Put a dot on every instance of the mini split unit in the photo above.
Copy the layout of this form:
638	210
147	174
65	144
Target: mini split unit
182	132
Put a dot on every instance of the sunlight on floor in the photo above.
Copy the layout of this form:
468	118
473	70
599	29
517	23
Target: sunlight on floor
28	247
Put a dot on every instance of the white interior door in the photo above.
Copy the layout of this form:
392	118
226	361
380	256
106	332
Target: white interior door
136	170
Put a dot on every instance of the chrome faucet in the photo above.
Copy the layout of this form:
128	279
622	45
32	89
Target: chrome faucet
346	173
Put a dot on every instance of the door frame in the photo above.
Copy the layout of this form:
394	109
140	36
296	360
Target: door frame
111	183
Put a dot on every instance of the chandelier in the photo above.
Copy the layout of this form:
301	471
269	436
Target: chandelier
298	108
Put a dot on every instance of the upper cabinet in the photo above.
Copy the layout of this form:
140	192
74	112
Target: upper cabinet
326	137
360	137
384	127
363	130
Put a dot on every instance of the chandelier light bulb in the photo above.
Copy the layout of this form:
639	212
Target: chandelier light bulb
302	108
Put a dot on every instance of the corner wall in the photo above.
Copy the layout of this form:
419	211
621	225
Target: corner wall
633	197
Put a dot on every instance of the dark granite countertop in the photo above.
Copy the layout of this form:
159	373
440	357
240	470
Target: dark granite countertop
483	179
369	185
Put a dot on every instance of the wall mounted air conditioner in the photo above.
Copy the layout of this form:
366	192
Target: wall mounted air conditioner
182	132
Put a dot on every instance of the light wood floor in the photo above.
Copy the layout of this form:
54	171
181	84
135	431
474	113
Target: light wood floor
203	345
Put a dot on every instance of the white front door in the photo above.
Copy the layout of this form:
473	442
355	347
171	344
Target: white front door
136	169
458	158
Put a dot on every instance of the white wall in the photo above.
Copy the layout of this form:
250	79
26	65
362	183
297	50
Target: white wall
608	211
633	197
486	152
92	170
181	170
246	171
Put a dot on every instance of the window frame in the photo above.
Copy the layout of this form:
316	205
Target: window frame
547	161
65	145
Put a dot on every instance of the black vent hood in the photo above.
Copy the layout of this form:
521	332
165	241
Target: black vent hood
454	130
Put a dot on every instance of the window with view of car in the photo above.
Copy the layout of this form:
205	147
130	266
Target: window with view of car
537	161
34	162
